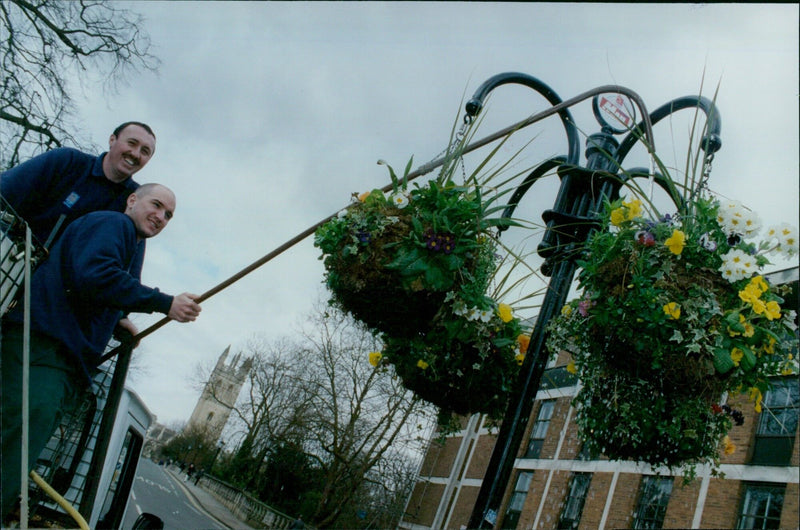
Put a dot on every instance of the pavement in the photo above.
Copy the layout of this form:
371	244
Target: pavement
206	502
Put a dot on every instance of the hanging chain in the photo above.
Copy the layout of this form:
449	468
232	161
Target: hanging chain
453	145
702	185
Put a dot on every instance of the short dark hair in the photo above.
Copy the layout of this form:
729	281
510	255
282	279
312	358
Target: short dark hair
144	126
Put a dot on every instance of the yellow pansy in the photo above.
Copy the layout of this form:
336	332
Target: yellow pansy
524	341
566	310
422	364
504	312
729	448
755	396
676	242
750	293
769	347
772	310
736	356
520	358
749	330
759	306
759	283
617	217
634	209
571	368
672	310
375	358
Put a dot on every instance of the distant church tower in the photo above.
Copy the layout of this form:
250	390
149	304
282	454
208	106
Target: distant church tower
219	395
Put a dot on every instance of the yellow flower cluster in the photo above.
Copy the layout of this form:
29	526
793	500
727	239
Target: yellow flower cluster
627	212
749	331
504	312
672	310
751	294
756	397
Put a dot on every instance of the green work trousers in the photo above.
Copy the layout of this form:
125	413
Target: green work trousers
55	387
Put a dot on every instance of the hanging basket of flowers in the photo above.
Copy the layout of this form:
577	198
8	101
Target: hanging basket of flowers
673	314
390	260
467	362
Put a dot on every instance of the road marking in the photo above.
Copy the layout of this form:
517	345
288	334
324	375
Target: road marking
154	484
194	502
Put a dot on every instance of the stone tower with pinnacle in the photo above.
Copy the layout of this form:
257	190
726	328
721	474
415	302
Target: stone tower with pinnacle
219	395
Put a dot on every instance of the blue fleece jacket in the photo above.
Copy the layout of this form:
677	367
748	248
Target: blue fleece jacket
79	292
67	182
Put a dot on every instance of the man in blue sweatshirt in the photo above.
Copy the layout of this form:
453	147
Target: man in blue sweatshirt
51	190
77	297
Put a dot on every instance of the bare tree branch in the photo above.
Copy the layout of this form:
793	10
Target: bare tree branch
47	49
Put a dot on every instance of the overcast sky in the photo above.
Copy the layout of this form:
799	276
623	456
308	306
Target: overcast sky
269	116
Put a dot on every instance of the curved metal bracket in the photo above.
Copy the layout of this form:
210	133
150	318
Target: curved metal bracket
474	105
711	142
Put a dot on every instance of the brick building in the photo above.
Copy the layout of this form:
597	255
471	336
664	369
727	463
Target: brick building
554	485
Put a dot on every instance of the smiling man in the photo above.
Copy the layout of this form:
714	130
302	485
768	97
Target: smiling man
77	297
52	189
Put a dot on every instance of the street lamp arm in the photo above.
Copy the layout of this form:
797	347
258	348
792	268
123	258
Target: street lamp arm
474	105
537	173
710	143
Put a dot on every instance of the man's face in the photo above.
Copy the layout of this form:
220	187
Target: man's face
128	153
151	211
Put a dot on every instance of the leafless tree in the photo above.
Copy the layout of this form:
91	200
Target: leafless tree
51	48
354	423
361	416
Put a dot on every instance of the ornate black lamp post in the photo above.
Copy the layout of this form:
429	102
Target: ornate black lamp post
220	446
580	197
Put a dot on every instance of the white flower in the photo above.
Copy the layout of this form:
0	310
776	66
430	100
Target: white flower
485	315
399	200
473	313
786	238
342	214
737	264
734	217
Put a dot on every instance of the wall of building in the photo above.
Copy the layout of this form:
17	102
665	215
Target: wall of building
613	491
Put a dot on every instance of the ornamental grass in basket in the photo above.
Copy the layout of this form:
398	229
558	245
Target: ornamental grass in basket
673	314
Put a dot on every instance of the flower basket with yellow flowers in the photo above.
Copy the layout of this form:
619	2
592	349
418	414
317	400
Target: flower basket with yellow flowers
673	315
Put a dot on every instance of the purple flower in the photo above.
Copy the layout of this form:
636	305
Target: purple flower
363	236
584	306
707	243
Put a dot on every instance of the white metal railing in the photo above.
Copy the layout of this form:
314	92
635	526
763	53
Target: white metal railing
245	507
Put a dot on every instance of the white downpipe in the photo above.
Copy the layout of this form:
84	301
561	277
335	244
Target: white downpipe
561	439
442	513
609	498
26	358
701	500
